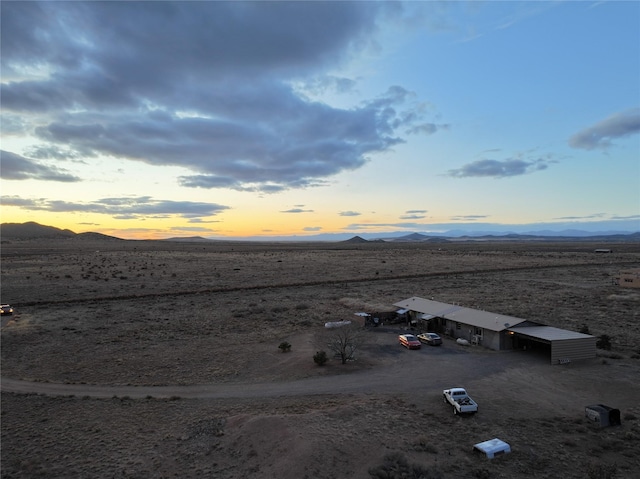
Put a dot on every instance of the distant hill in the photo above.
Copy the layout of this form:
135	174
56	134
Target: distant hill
410	237
417	238
445	238
609	238
96	237
356	239
33	230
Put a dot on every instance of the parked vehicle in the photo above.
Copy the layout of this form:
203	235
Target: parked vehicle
409	341
6	309
460	400
432	339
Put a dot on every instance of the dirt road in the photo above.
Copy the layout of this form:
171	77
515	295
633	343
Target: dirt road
410	371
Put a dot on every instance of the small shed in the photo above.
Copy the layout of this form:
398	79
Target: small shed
603	415
493	447
629	278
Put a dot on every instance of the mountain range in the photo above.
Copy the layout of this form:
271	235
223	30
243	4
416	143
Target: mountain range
32	230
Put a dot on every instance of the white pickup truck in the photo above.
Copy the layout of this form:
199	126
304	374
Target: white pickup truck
460	400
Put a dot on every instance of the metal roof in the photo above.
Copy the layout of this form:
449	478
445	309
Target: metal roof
472	317
493	447
427	306
549	333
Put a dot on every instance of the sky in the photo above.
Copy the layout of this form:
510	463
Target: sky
150	120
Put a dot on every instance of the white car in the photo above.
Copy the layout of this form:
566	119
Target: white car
430	338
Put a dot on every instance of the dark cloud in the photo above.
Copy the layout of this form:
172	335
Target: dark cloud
210	86
153	44
16	167
51	152
586	217
349	213
412	217
500	168
602	133
632	217
123	208
414	212
297	210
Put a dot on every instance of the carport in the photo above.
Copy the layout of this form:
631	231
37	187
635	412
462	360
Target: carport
565	346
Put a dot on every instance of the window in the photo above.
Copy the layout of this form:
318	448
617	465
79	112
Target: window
477	332
458	326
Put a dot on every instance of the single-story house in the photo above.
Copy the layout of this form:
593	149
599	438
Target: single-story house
498	331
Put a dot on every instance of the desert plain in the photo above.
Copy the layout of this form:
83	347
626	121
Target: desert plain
160	359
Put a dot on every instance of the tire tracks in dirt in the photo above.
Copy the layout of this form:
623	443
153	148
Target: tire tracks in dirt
312	283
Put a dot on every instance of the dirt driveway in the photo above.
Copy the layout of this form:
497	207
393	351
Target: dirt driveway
387	368
382	366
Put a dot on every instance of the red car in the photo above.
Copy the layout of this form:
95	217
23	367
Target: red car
409	341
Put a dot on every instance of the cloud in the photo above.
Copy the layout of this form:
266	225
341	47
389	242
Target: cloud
622	218
586	217
468	217
139	207
297	210
52	152
600	135
13	125
349	213
376	226
427	128
312	228
201	221
412	217
208	86
500	168
191	229
17	167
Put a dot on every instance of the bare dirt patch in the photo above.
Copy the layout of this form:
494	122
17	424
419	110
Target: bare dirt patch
144	314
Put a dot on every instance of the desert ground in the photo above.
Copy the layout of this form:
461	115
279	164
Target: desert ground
155	359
